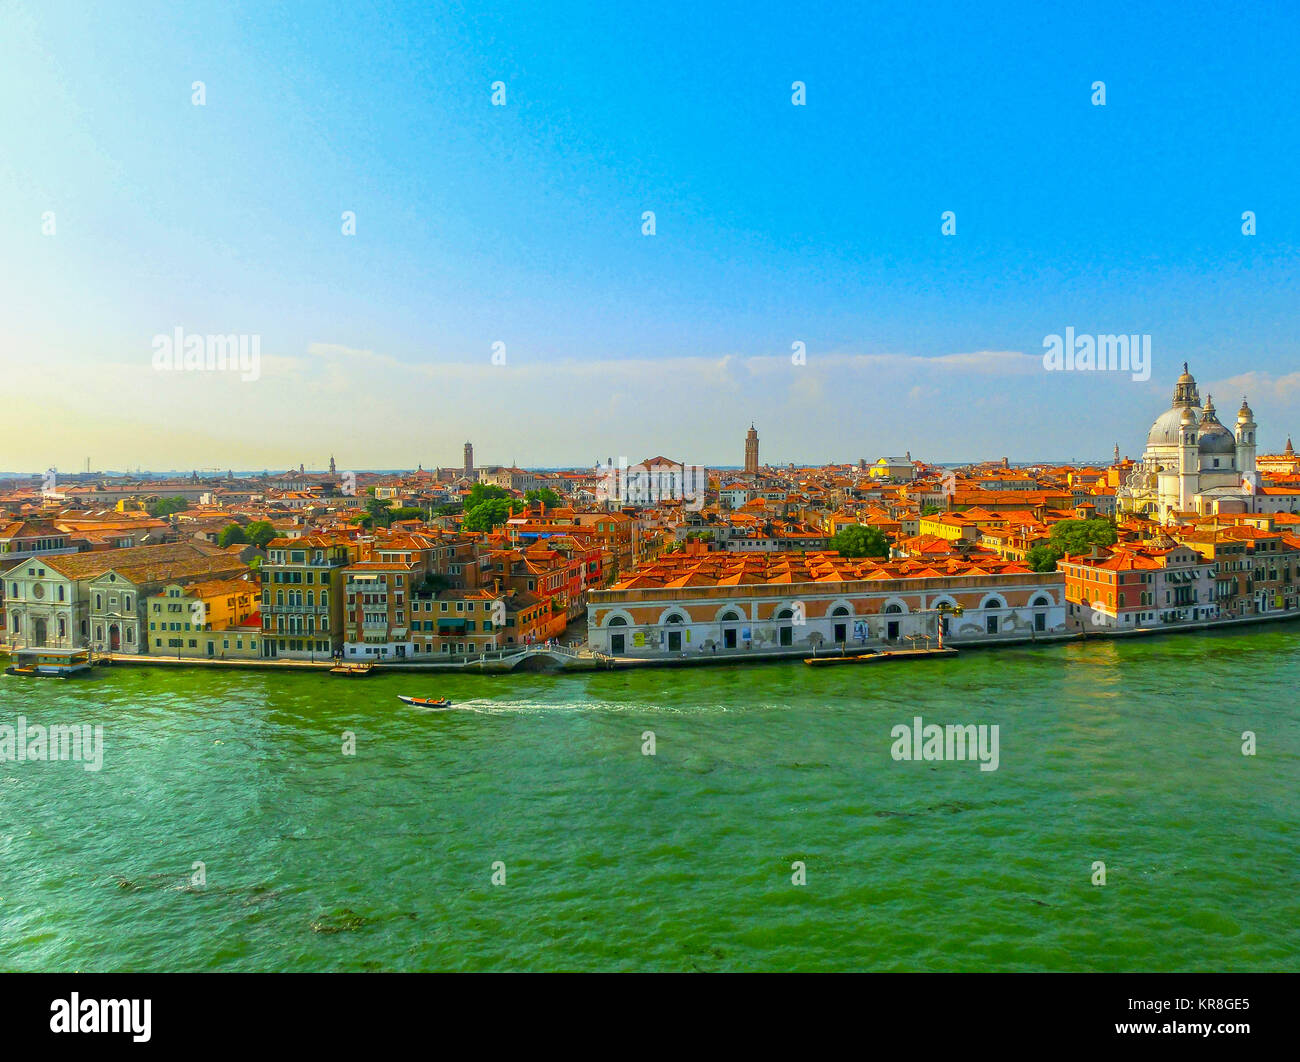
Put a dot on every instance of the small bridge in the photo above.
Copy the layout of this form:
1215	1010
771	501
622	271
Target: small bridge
553	657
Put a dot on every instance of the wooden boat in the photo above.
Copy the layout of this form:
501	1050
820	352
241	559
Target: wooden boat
352	670
425	702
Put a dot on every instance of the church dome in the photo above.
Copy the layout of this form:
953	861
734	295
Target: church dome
1214	437
1166	430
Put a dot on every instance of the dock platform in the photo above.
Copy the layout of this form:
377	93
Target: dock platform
878	656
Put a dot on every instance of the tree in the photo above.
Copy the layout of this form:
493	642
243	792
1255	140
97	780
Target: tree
381	512
1073	537
231	534
260	532
434	583
166	506
1079	536
545	495
481	492
405	512
860	541
487	515
1042	558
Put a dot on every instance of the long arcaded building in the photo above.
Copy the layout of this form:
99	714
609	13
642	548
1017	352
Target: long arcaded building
727	603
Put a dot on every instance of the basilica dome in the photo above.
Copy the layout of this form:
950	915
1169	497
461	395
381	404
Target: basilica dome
1165	431
1214	437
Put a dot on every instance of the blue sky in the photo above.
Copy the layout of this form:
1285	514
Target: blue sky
521	224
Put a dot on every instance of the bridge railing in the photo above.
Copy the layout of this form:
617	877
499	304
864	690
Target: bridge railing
555	648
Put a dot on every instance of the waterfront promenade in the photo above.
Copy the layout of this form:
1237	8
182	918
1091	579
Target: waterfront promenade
570	658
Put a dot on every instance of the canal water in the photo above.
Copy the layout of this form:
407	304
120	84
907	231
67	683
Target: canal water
228	830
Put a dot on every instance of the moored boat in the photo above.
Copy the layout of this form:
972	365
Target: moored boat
352	670
50	663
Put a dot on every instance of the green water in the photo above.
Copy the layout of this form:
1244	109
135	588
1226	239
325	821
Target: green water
1124	752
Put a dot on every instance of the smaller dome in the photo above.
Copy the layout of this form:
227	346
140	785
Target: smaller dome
1216	439
1245	411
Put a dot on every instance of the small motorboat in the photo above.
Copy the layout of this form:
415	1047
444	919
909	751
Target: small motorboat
425	702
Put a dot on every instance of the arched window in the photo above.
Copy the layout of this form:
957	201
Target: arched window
893	610
616	621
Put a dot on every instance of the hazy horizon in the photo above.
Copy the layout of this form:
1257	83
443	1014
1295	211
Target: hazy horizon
420	265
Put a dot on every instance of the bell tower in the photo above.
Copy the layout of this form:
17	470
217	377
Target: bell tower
751	450
1189	478
1245	439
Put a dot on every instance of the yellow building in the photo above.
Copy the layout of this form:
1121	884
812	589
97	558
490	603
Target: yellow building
950	526
209	619
302	595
